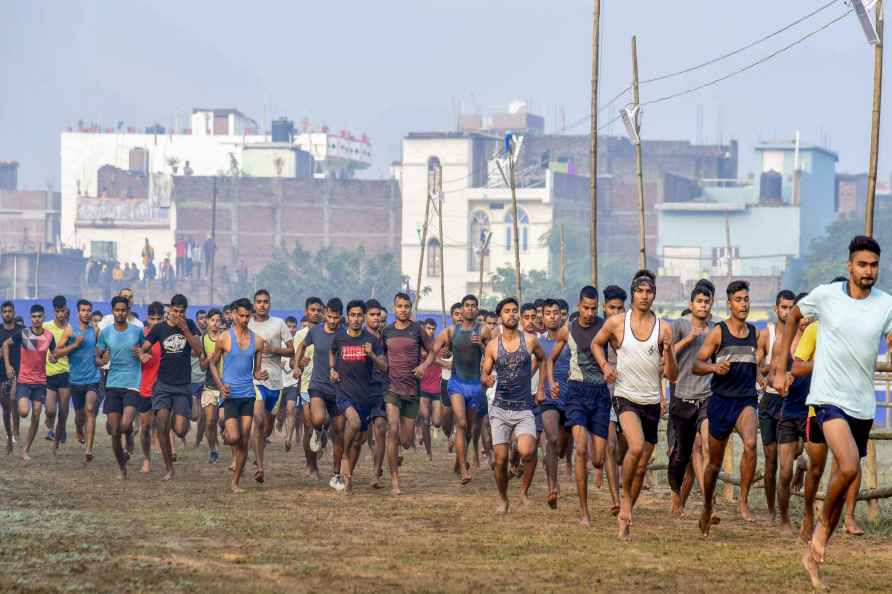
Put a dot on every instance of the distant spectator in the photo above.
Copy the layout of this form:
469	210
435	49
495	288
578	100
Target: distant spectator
180	247
187	169
117	272
149	273
208	252
148	254
196	260
187	260
167	275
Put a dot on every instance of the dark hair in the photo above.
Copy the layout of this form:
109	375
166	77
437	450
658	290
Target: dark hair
214	311
736	286
60	302
505	302
470	297
430	322
563	304
384	309
705	282
574	316
551	303
490	314
800	297
243	303
291	319
156	308
588	292
311	300
97	312
356	303
336	305
227	308
539	303
8	304
701	290
644	272
615	292
84	302
199	312
862	243
36	308
785	295
372	304
118	299
454	307
644	276
527	307
304	319
403	296
687	311
259	292
179	301
840	279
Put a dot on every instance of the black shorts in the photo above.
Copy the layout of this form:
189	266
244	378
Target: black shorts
770	406
292	393
117	399
330	400
79	394
723	412
235	408
177	399
649	414
791	429
860	428
444	393
378	408
57	382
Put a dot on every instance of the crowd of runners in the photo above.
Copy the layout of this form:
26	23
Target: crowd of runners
504	387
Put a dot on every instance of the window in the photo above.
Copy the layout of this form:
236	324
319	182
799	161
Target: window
523	227
104	250
434	256
477	232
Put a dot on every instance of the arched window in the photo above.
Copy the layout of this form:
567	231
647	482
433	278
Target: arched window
523	227
434	255
477	233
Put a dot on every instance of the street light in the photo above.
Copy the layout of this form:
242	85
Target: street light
861	8
631	116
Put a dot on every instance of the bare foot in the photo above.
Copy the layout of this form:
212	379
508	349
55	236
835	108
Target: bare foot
25	457
168	476
624	527
146	467
88	457
8	446
502	507
813	569
852	527
677	506
258	475
707	520
614	510
744	510
819	541
287	446
348	485
395	486
807	528
585	521
525	499
235	488
553	499
786	527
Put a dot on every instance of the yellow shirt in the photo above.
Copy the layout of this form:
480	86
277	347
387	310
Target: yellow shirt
808	342
60	366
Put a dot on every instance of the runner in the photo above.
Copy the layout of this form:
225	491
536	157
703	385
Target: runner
122	342
171	395
467	341
353	354
614	304
565	311
430	392
404	341
241	351
374	321
731	354
852	317
104	323
277	343
529	323
512	410
771	402
553	416
441	408
78	343
196	380
291	392
687	407
313	308
58	394
150	367
323	398
35	346
643	344
8	329
210	395
587	401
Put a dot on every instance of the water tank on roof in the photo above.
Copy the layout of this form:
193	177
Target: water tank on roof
770	187
283	130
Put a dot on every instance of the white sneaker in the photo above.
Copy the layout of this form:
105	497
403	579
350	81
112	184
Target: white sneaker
337	483
315	441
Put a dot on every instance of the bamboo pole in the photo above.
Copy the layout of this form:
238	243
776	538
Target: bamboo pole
642	260
593	151
875	122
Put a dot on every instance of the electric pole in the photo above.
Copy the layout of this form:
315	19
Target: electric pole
427	214
638	169
593	156
564	264
212	253
438	184
509	149
875	122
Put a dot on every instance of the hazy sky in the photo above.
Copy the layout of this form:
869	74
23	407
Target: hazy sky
391	67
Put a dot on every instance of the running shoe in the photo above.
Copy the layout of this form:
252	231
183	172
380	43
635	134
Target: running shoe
213	457
337	483
50	436
316	441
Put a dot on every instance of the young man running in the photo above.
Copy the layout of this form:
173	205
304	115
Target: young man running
150	366
553	417
353	355
467	341
511	414
404	341
277	343
375	318
730	353
587	401
687	408
58	394
122	341
8	329
614	304
78	343
323	397
35	346
430	392
313	311
171	395
441	409
291	392
240	351
210	394
643	344
771	402
853	317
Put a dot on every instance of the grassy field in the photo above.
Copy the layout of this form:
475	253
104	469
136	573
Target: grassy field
66	528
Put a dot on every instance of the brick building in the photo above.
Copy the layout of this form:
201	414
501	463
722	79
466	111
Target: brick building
29	220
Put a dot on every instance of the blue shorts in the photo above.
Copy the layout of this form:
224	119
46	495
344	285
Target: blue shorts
588	405
270	397
363	410
860	428
32	392
472	392
79	394
330	400
537	415
722	413
377	407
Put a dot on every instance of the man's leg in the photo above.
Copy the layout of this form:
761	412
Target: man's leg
352	428
232	436
845	452
91	406
697	456
746	426
337	441
162	428
551	420
6	404
715	455
460	424
786	458
424	422
210	413
309	455
114	423
580	441
680	457
34	407
851	524
379	427
634	468
51	408
526	445
613	467
199	418
501	452
393	439
260	422
817	460
145	440
769	481
290	423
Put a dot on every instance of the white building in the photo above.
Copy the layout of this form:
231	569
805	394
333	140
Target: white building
106	224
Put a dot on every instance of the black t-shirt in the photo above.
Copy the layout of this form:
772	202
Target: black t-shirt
13	352
353	365
176	352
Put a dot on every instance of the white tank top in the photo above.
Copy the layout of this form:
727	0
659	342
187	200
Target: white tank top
638	365
771	340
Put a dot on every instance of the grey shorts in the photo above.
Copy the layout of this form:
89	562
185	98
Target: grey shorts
177	399
505	423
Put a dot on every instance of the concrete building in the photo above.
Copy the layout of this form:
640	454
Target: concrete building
768	222
30	220
9	175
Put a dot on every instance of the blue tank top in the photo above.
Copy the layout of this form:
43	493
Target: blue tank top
515	376
82	360
238	368
466	355
561	366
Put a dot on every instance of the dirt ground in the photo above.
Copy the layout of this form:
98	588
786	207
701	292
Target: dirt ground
69	528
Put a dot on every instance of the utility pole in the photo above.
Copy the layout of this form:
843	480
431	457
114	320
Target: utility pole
728	245
875	122
728	460
509	148
212	253
638	169
593	156
438	173
484	246
427	214
564	264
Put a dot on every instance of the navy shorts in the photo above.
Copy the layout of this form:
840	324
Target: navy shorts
33	392
177	399
117	399
363	411
79	394
537	416
860	428
378	410
588	405
472	392
769	416
330	400
235	408
722	413
57	382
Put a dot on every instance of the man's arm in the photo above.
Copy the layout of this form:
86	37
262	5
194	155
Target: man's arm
782	350
287	348
681	343
375	352
802	368
599	345
559	342
6	346
488	363
670	363
67	345
443	340
197	347
537	350
702	364
260	374
221	347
